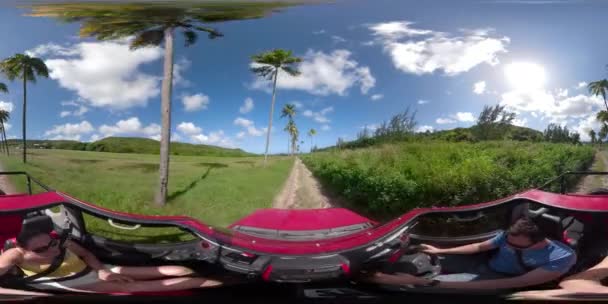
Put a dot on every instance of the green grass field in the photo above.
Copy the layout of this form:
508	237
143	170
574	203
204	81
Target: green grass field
216	190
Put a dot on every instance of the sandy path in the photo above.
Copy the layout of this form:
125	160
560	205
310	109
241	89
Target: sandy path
5	183
591	182
302	191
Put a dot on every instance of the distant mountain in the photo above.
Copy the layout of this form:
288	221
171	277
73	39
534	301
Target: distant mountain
132	145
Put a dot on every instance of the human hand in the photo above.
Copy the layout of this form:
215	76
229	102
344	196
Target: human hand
430	249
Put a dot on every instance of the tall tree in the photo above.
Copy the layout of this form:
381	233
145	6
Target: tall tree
268	65
154	24
311	134
289	111
26	68
294	133
592	136
599	88
4	117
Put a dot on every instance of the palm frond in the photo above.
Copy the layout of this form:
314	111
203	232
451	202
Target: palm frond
190	37
213	33
290	70
148	38
264	71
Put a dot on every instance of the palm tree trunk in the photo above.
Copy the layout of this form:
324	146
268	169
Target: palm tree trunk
274	91
165	112
24	110
5	139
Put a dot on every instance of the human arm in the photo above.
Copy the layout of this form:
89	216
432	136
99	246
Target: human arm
91	260
534	277
465	249
588	280
8	260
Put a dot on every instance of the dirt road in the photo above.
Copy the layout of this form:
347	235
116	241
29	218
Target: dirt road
303	191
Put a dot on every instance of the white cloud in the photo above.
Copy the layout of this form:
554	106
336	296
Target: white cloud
94	137
443	121
7	126
587	124
422	102
520	122
297	104
377	96
240	135
325	128
479	87
562	92
188	128
69	131
213	138
247	106
554	107
131	126
249	126
337	39
178	70
194	134
7	106
195	102
104	74
321	116
458	117
324	74
319	32
464	116
424	128
581	85
421	51
81	108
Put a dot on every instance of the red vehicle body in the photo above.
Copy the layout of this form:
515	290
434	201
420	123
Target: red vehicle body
305	246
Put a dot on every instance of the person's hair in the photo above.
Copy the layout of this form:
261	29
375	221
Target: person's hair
526	227
25	236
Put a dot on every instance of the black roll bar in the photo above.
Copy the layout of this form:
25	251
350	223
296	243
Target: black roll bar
29	180
562	179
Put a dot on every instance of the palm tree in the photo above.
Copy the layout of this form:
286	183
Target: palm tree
592	136
268	65
27	68
154	24
288	111
311	133
292	129
599	88
4	117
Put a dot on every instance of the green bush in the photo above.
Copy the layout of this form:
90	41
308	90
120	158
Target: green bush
387	180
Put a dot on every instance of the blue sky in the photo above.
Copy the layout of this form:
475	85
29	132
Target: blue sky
363	62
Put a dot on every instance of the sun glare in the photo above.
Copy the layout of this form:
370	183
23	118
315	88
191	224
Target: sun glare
525	76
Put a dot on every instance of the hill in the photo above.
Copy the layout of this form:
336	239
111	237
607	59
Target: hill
132	145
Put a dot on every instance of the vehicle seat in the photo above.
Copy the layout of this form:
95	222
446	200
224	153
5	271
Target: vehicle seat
11	226
42	223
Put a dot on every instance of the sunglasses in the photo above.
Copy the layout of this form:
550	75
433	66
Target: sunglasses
45	248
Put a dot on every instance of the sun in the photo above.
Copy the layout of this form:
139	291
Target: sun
525	76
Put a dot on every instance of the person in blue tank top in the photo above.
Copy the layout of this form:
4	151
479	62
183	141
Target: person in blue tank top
524	257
